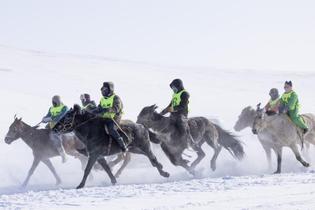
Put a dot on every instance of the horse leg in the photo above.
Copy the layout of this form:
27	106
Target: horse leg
83	160
306	151
201	154
125	163
105	166
31	171
146	151
217	151
119	158
268	155
48	163
279	161
91	162
176	159
298	156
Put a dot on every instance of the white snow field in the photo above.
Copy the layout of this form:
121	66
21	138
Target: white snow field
28	80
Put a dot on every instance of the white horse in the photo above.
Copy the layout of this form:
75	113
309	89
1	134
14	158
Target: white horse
275	132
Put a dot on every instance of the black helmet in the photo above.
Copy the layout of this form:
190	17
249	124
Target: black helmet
56	101
288	83
177	84
107	89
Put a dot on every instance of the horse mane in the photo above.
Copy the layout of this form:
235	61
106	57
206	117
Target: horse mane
157	116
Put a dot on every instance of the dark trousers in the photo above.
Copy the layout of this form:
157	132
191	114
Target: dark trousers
112	129
181	123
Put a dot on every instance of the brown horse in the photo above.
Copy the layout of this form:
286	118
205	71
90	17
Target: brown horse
43	149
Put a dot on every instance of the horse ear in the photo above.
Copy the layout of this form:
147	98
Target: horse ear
20	119
15	116
76	108
155	107
258	107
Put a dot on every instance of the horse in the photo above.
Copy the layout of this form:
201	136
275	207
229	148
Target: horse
90	129
278	131
202	130
42	147
246	120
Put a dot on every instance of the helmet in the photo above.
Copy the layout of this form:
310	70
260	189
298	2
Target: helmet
288	83
107	89
177	85
56	101
274	93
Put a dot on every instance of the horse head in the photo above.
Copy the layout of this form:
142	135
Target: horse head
245	119
148	115
15	130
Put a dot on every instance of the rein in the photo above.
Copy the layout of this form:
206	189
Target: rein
71	124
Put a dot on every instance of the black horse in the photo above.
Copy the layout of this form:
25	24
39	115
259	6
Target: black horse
90	130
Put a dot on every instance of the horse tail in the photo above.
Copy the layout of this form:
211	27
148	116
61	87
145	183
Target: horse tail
230	143
153	137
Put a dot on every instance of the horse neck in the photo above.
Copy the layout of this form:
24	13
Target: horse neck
161	124
84	124
27	135
250	120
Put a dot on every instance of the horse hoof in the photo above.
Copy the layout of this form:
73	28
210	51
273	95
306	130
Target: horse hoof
277	172
192	172
80	186
306	164
117	175
213	165
58	183
114	181
165	174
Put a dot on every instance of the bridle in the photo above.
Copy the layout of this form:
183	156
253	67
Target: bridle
71	125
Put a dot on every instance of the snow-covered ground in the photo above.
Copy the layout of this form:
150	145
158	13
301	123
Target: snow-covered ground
289	191
28	80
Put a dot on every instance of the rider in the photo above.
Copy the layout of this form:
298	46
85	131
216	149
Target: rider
110	108
289	103
272	106
178	109
55	113
87	103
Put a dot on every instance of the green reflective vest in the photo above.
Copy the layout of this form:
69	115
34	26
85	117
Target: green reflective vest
177	98
107	103
273	103
291	100
55	111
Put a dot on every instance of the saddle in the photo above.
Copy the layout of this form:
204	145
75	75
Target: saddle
125	131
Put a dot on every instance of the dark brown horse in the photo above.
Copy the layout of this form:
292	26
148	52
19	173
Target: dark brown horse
202	130
90	130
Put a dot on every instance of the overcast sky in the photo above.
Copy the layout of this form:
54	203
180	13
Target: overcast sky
255	34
